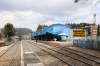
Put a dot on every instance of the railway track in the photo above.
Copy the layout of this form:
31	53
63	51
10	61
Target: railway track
5	51
8	56
77	58
85	55
74	51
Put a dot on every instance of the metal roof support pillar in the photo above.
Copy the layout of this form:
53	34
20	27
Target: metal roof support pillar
36	37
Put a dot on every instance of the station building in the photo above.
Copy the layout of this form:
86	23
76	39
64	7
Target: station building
91	31
54	31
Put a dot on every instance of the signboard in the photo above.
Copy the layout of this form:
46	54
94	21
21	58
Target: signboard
79	33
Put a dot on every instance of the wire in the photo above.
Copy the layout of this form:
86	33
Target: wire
95	4
90	2
83	2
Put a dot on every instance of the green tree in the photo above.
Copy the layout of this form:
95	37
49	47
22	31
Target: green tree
9	31
76	1
0	35
40	27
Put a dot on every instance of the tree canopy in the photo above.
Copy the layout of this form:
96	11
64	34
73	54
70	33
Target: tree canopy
9	30
0	35
40	27
23	31
79	25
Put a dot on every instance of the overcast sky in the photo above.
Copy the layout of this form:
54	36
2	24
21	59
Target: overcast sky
31	13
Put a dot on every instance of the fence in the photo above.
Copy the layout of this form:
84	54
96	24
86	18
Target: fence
68	39
88	43
8	43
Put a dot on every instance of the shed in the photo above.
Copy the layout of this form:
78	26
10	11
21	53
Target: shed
53	31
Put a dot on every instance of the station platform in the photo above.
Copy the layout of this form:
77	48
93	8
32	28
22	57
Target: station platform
4	47
67	44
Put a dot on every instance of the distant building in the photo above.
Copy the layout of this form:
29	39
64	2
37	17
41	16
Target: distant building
94	32
91	31
26	36
54	31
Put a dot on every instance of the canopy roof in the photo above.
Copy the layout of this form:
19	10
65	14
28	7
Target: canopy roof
50	30
63	34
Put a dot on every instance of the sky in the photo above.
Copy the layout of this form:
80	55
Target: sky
31	13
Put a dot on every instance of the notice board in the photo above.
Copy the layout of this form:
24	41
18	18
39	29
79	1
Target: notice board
79	33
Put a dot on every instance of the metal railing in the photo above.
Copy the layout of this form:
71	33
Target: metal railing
87	43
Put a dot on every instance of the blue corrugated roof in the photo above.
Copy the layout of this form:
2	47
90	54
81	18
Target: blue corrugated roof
49	30
42	33
33	35
55	33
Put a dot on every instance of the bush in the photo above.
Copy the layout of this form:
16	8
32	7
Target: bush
9	39
0	35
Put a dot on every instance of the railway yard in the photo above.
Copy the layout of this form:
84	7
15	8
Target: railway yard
50	33
30	53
